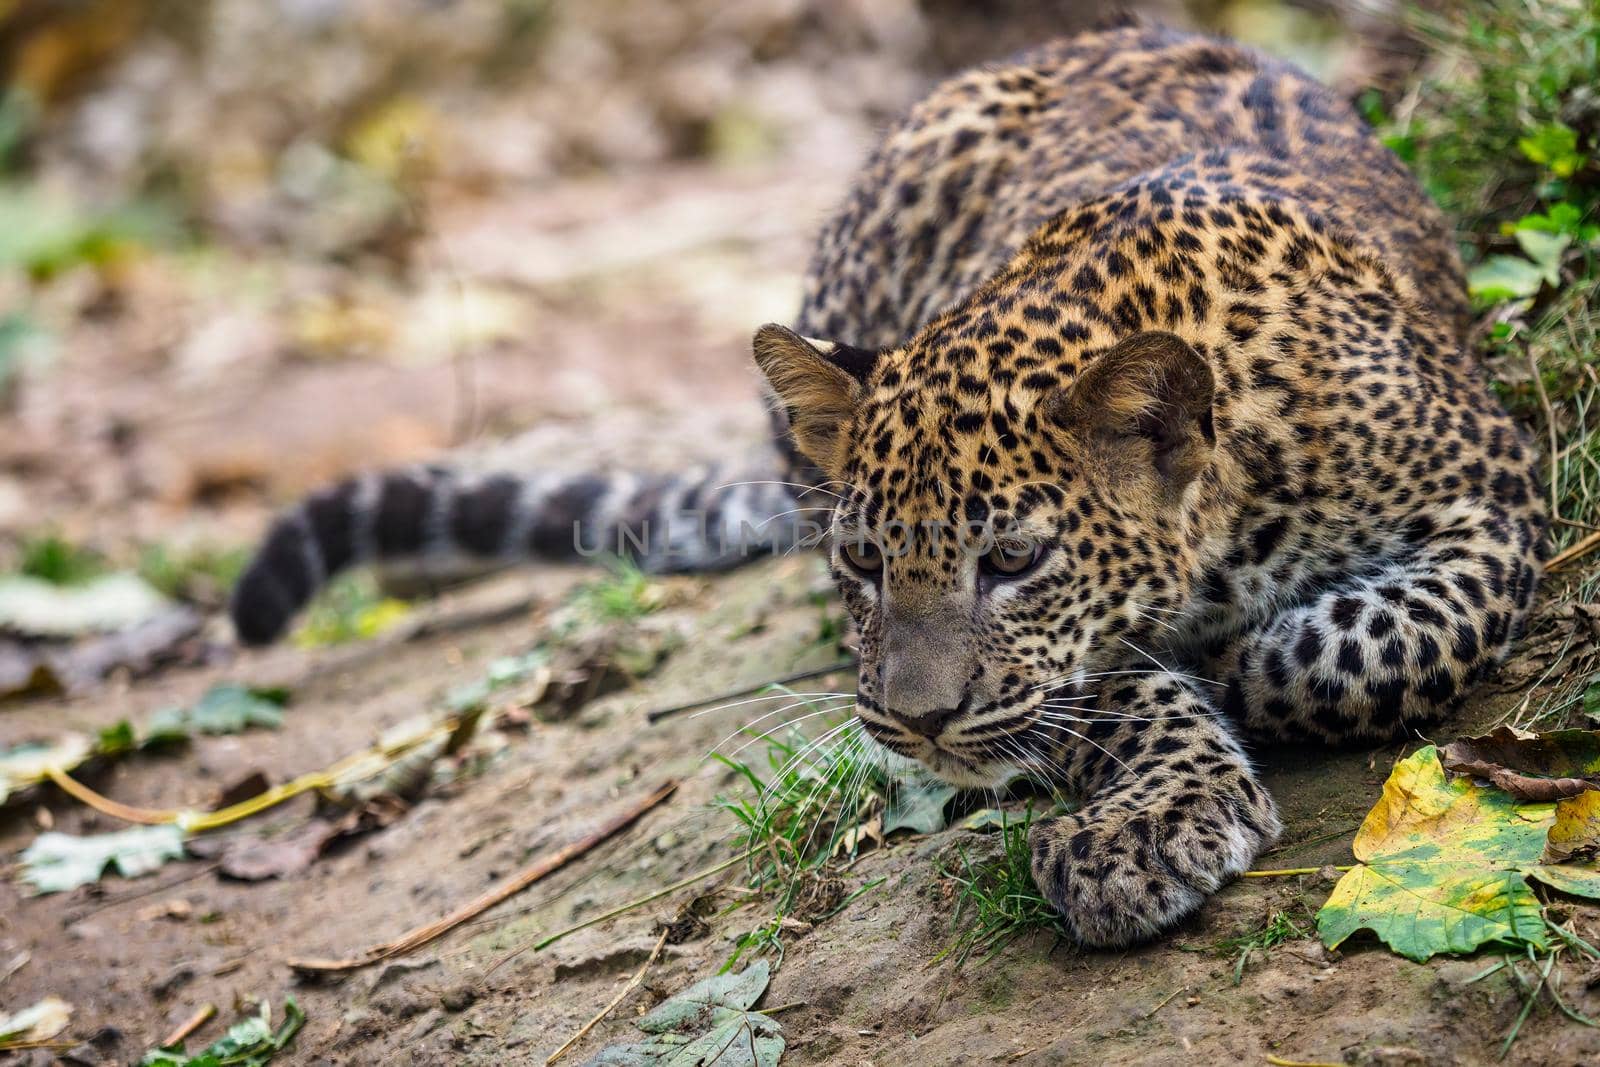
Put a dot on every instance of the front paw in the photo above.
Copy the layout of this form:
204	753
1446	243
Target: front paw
1121	874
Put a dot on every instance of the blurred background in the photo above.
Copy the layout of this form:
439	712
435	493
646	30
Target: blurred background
248	245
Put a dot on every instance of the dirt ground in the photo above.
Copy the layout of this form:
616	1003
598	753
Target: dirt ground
621	305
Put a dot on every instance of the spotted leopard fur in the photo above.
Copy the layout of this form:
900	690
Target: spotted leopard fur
1148	422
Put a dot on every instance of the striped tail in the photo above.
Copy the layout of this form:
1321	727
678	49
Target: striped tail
697	521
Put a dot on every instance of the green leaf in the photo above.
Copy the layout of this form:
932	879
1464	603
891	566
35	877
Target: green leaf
1546	250
1561	217
1554	146
694	1005
1420	912
251	1042
225	709
1445	864
707	1025
114	602
25	765
1503	277
44	233
918	806
1442	866
59	561
352	608
57	862
117	739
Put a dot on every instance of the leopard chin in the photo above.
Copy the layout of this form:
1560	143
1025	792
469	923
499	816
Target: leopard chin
965	774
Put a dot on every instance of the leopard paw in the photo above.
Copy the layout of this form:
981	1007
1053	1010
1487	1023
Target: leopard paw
1121	874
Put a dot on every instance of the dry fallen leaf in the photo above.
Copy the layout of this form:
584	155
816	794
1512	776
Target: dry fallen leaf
254	859
1534	767
39	1022
1576	832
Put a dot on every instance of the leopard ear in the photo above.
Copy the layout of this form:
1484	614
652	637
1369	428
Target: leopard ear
817	383
1145	404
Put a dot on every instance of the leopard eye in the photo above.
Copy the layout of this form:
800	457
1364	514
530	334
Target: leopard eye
863	556
1011	559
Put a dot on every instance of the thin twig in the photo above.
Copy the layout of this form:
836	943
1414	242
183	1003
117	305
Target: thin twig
504	891
1278	1061
788	679
1582	548
194	1022
638	976
639	903
148	891
614	912
1164	1002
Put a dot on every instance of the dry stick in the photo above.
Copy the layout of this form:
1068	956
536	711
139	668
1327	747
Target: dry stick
189	1026
788	679
510	888
1582	548
148	891
638	976
641	902
1168	999
614	912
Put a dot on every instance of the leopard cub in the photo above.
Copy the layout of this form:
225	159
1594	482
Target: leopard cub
1146	423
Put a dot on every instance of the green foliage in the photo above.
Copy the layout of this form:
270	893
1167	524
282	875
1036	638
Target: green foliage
818	803
57	862
996	899
1502	277
812	806
351	608
252	1042
43	236
225	709
1554	146
710	1024
1504	132
1279	927
200	574
1486	129
626	594
52	558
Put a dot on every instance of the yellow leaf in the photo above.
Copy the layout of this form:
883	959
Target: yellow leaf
1576	830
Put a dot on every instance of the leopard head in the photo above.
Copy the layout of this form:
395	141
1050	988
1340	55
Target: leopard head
1009	516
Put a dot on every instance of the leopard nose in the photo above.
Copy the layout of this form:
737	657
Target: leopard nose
929	724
